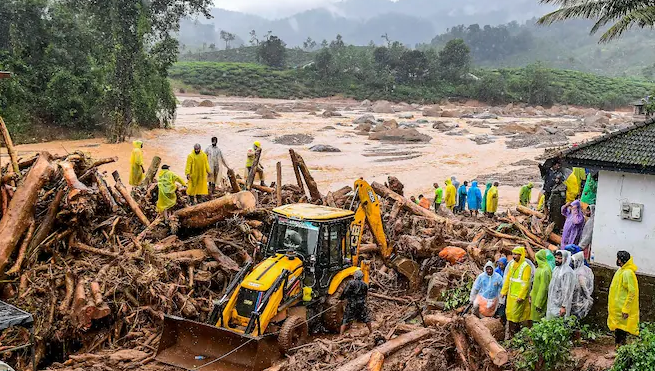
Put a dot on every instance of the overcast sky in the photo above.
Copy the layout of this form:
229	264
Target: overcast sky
271	8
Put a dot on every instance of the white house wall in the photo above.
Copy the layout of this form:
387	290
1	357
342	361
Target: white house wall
611	233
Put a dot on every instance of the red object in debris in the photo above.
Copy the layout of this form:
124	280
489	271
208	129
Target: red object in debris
453	255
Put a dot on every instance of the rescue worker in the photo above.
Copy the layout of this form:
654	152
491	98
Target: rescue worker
562	284
166	183
355	293
197	170
555	202
484	198
584	287
455	184
492	200
549	175
438	196
516	288
572	185
423	202
474	198
137	172
485	293
461	197
259	171
216	159
451	197
590	190
500	266
623	299
574	223
539	293
588	231
413	199
525	196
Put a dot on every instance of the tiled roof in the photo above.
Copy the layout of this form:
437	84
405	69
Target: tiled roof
631	149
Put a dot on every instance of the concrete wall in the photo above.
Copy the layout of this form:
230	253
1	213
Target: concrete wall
611	233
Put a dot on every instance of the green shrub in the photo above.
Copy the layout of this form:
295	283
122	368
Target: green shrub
640	354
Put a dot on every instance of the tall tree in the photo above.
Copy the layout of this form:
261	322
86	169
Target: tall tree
272	51
454	60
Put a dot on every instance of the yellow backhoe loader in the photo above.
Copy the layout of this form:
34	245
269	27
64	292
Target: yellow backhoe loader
267	309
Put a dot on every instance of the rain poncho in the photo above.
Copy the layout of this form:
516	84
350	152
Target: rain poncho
525	196
451	197
551	259
588	232
584	287
167	187
580	174
455	184
492	200
574	224
486	290
197	168
474	197
589	192
560	291
216	159
555	202
517	287
136	164
572	186
542	202
624	298
501	270
461	197
539	293
484	198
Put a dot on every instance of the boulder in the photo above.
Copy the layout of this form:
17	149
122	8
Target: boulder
406	116
366	103
596	120
382	106
365	119
323	148
206	103
190	103
330	113
400	135
485	116
482	139
443	127
432	111
364	127
450	113
266	112
569	132
550	130
282	108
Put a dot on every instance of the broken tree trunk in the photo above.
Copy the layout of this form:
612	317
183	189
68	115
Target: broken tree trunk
104	192
376	362
259	188
555	238
187	256
70	288
478	331
21	207
253	169
309	179
152	171
462	347
23	249
101	308
77	188
10	147
46	224
387	348
527	211
208	213
296	170
120	187
437	320
226	263
278	183
233	181
407	204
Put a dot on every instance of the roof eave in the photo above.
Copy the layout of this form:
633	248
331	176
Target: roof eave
609	166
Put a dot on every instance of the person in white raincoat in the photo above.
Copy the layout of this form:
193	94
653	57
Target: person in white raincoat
216	159
584	287
562	284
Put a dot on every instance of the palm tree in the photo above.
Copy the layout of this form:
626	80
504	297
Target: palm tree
620	14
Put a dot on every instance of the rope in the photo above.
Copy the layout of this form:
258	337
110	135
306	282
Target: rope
250	340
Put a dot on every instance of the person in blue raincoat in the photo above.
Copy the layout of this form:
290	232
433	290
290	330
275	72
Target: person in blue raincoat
461	197
485	293
500	266
474	198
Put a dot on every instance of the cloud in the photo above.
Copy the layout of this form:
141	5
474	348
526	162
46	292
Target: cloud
272	8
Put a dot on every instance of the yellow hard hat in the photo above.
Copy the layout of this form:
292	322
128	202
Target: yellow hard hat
257	144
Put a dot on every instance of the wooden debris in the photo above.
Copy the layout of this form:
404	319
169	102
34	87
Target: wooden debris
478	331
208	213
120	187
152	171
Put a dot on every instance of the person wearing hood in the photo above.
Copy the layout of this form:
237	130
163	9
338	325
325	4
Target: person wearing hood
461	197
574	223
166	184
492	200
355	295
455	183
501	264
216	161
451	195
588	233
590	190
623	299
550	258
525	196
539	293
474	198
572	185
486	291
516	288
584	287
555	203
562	283
484	198
197	170
137	172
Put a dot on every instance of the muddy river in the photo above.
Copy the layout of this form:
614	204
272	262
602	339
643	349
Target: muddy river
417	165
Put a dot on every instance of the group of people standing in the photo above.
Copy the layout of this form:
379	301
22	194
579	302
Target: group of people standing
459	198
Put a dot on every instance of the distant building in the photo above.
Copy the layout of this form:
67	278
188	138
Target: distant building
640	106
625	204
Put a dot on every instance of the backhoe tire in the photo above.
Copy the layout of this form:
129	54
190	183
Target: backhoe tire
294	332
333	317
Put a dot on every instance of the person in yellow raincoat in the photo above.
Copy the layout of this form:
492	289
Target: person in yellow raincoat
197	170
451	195
516	288
250	159
492	200
136	164
166	182
623	299
572	187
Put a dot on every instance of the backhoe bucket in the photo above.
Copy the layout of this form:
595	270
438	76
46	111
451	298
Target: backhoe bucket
197	346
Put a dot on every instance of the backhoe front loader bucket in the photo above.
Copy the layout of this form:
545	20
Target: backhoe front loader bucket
197	346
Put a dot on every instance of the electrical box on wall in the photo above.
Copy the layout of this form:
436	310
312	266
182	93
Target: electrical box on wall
630	211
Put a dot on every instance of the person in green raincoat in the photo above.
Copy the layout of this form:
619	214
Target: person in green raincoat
516	288
526	194
166	182
484	198
550	258
539	293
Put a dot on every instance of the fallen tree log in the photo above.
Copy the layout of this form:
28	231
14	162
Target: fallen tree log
462	347
278	184
188	256
47	223
376	362
23	249
70	288
296	170
101	308
13	157
309	179
258	187
77	188
527	211
152	171
478	331
226	263
20	210
415	209
208	213
83	247
91	169
555	238
105	194
387	348
438	320
120	187
233	181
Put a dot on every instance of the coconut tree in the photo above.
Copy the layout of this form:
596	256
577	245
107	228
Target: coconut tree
620	15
